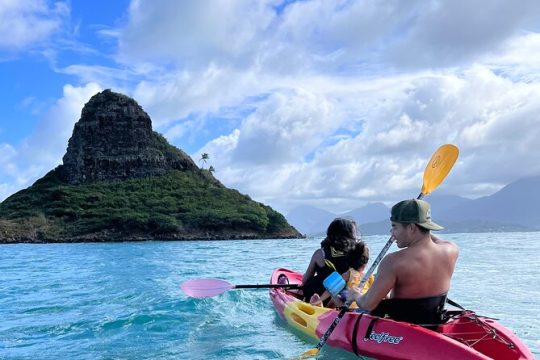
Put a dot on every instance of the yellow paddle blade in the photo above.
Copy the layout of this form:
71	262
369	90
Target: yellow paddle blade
308	354
438	167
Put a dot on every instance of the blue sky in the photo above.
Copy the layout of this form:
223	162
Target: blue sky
327	103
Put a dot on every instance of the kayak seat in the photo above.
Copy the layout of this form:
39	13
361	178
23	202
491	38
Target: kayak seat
428	312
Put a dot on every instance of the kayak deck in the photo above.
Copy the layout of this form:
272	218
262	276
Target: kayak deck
465	335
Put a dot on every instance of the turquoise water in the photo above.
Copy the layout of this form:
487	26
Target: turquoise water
122	301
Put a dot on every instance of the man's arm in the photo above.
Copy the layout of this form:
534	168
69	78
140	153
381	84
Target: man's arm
384	282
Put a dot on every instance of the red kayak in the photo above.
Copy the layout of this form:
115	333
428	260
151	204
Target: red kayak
465	335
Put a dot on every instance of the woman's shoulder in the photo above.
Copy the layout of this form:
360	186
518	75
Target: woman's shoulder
318	256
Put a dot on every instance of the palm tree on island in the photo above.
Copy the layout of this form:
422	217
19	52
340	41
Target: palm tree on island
204	158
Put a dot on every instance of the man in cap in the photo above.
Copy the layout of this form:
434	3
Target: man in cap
414	280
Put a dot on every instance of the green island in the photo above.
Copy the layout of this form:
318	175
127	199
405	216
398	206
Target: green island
141	190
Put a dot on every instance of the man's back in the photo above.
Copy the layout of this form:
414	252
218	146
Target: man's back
421	270
419	277
424	269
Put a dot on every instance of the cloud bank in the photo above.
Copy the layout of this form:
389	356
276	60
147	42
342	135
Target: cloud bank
24	23
42	150
338	103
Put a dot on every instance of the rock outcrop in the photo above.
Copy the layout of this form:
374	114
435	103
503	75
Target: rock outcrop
113	140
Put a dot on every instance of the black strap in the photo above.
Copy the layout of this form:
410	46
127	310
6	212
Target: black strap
370	328
354	333
455	304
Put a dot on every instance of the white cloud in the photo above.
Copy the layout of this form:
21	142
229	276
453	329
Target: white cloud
97	73
7	153
489	117
27	22
286	127
332	101
306	35
325	114
171	97
321	36
15	174
43	150
519	60
447	33
193	33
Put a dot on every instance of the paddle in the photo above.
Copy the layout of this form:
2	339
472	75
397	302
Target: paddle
203	288
436	170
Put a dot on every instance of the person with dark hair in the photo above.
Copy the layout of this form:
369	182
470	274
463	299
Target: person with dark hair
332	256
416	278
358	258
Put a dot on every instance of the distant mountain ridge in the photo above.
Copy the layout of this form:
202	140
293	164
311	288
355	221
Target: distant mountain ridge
516	207
310	220
371	212
517	203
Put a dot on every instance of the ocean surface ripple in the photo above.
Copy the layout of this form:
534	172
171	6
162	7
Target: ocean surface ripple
123	301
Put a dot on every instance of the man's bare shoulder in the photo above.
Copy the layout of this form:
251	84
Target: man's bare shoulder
437	240
445	246
393	259
446	243
392	256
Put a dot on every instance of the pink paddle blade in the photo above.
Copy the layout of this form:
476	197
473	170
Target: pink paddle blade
203	288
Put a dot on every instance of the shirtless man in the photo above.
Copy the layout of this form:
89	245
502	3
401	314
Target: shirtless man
416	278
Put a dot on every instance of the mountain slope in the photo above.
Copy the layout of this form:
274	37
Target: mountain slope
516	203
314	221
369	213
516	207
309	219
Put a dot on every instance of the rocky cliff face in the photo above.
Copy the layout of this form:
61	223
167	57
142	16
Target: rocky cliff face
113	140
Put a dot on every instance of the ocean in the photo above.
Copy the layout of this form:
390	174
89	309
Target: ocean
123	301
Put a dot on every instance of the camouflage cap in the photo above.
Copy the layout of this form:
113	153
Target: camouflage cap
414	212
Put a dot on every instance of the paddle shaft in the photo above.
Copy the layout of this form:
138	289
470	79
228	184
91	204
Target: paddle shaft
345	308
268	286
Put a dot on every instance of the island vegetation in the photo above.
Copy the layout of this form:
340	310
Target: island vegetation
177	205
